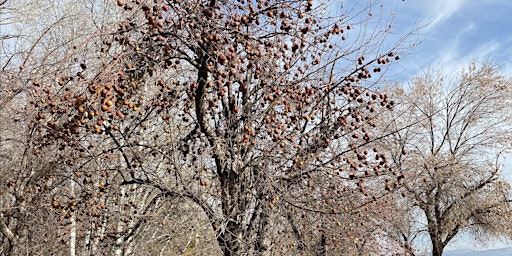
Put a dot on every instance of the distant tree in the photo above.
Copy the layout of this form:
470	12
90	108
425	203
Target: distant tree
451	153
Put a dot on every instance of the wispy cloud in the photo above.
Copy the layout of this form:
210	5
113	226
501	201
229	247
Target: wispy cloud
439	11
457	54
456	32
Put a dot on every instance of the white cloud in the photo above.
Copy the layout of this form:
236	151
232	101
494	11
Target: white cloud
439	11
453	61
445	53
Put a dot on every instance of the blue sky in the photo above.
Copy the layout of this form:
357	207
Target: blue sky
454	32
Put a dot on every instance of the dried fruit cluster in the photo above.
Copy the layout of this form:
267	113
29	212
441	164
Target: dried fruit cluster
272	100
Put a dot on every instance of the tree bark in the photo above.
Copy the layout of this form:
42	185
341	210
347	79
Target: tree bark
437	244
72	233
228	241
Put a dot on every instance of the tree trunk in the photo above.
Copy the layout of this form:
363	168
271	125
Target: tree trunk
72	233
9	235
228	241
322	247
119	240
437	245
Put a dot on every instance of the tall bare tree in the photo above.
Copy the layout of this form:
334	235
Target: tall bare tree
452	151
257	116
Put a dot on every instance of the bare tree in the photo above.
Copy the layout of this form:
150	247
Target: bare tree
256	116
451	153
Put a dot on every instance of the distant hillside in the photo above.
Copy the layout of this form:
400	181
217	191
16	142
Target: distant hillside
494	252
